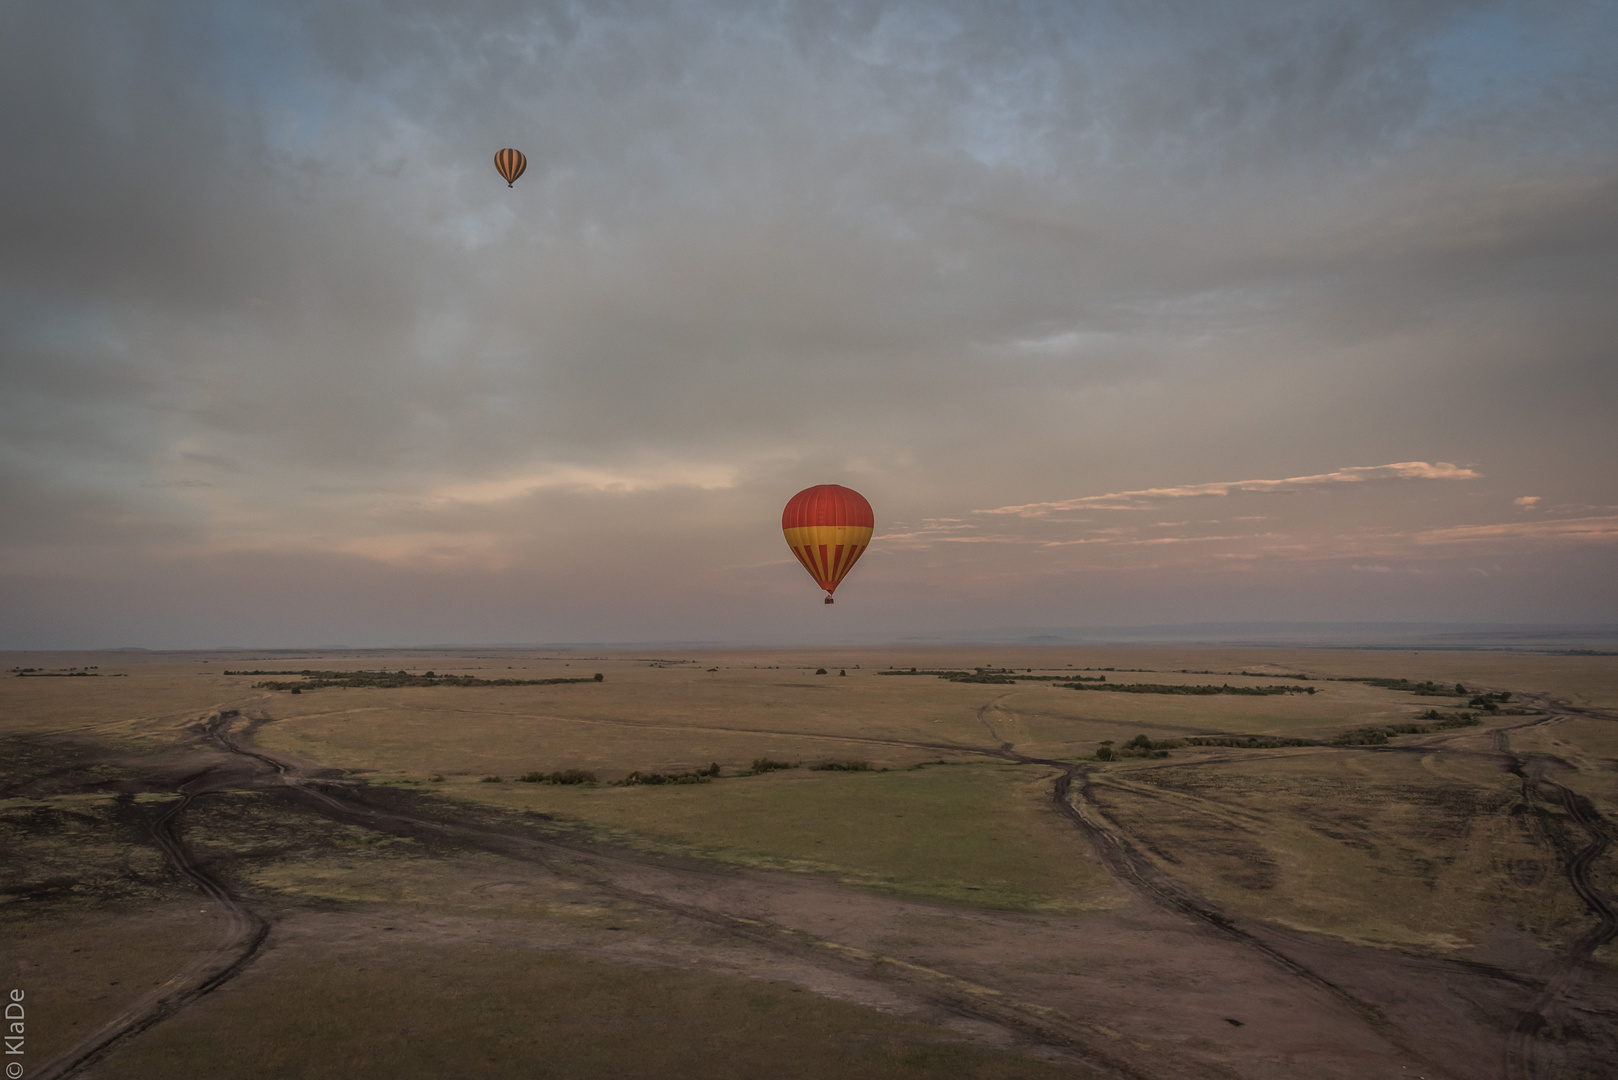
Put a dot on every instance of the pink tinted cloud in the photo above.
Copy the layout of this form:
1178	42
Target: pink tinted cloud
1598	530
1140	500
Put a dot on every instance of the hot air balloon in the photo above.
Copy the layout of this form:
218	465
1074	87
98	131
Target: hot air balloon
828	527
511	163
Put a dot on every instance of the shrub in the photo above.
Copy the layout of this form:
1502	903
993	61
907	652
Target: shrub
572	776
1247	742
1377	736
841	766
655	778
1143	746
315	680
764	764
1421	689
561	776
1174	688
490	780
820	671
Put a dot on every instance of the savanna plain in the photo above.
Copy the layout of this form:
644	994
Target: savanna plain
987	862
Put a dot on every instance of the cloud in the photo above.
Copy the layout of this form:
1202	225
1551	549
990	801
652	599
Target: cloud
1590	530
931	529
944	252
1180	540
432	550
1526	501
1150	497
614	481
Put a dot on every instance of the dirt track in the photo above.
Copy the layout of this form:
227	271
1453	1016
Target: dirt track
243	934
1307	1005
1130	866
1521	1041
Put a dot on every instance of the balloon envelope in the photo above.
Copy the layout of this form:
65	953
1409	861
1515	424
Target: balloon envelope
511	164
828	527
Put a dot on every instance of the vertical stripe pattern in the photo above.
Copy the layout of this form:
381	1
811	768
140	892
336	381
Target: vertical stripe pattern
828	527
511	164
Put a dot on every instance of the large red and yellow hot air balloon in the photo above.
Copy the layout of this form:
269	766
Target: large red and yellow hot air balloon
828	527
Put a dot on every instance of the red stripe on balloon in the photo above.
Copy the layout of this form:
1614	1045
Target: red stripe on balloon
828	504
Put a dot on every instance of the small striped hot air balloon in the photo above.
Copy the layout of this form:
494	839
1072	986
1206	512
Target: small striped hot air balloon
828	527
511	163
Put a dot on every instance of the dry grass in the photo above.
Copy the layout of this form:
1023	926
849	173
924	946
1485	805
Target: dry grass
77	969
141	705
1381	848
640	718
473	1010
1049	721
684	716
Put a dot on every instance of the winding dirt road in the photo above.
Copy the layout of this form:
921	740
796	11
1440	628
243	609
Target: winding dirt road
1130	866
243	932
1521	1041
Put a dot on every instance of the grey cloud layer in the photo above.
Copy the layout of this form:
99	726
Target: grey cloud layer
260	290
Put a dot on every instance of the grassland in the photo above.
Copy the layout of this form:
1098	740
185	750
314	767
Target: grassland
481	1010
1373	848
1384	849
946	862
78	966
974	833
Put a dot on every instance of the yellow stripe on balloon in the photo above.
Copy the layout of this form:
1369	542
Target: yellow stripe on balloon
830	535
817	548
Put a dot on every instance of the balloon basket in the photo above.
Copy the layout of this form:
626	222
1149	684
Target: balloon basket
828	600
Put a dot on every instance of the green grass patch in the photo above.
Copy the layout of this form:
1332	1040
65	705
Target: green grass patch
981	834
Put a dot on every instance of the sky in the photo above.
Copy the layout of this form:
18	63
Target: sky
1119	313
